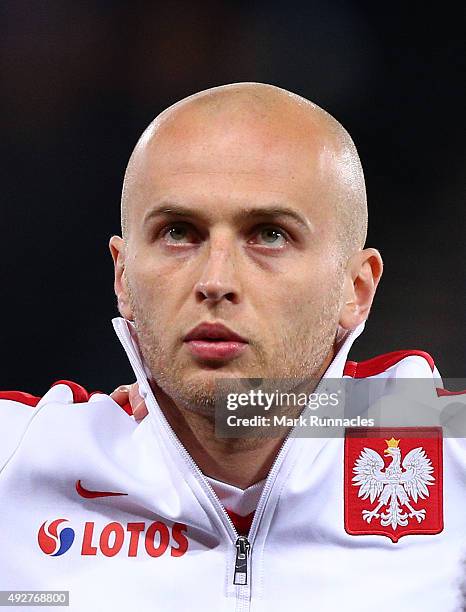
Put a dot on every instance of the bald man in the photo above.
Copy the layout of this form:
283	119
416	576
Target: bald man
242	257
243	205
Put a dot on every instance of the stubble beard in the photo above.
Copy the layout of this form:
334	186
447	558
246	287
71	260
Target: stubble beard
297	356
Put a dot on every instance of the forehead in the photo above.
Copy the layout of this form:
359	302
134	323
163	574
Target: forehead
221	160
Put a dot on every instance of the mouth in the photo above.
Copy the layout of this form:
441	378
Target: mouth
214	341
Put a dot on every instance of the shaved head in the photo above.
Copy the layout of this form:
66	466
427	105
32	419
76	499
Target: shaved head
243	205
251	111
244	221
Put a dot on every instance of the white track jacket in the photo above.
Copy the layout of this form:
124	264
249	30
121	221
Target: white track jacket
117	513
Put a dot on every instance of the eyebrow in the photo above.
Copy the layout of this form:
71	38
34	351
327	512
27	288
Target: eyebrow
270	212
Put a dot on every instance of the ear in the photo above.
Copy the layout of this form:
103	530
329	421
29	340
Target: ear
118	251
361	279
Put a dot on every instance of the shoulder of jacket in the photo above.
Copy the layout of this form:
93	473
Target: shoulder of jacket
61	391
19	411
410	363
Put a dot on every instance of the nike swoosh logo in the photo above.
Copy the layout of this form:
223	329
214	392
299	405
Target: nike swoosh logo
88	494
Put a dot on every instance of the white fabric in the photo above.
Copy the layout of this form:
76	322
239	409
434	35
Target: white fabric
241	501
166	543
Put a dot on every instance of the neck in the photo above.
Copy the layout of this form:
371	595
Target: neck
237	461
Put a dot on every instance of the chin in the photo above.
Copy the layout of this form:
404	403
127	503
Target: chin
203	385
217	369
207	378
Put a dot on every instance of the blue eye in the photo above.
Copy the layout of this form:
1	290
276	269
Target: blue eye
272	236
177	233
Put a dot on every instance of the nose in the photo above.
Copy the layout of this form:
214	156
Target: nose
218	280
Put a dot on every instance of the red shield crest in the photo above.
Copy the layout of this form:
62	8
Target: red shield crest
393	481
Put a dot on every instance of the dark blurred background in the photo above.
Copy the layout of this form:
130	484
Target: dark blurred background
81	80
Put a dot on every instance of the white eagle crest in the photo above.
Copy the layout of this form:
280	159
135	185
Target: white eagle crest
396	485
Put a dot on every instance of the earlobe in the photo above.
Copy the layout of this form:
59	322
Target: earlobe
118	251
361	279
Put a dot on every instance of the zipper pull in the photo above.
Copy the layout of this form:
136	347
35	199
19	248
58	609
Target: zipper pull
241	563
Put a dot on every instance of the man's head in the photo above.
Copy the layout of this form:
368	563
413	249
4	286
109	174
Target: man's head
242	205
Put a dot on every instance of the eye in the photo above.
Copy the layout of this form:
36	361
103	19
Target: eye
179	233
271	236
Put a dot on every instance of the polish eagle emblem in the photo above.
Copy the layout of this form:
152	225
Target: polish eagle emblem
394	487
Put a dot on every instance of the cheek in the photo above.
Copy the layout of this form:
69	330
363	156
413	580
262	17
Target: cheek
302	298
154	281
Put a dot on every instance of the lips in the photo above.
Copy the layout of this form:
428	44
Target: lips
212	332
214	341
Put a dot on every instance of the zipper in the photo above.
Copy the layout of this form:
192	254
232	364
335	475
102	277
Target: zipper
242	544
243	547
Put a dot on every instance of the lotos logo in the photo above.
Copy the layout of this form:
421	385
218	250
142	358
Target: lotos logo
155	539
51	542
